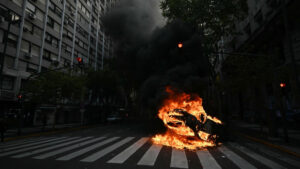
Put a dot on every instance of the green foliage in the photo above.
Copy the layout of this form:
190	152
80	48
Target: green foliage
241	71
214	18
52	87
104	81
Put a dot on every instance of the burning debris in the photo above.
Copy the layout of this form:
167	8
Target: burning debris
185	119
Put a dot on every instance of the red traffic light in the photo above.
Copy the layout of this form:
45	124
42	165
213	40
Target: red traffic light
282	85
79	59
20	96
180	45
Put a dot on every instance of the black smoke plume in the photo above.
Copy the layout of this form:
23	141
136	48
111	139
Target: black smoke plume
148	55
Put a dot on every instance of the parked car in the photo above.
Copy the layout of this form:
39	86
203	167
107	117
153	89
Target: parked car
114	117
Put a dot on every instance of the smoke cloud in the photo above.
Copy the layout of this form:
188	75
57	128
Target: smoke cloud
147	52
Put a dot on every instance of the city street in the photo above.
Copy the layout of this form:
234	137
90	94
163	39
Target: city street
128	146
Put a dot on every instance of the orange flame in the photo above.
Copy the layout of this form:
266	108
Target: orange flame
179	135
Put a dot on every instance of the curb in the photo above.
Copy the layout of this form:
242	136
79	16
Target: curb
59	131
269	144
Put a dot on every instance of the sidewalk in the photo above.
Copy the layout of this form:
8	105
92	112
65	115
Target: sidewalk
253	132
37	129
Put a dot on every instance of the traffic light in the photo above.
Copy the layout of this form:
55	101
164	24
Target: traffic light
79	60
282	85
283	88
20	97
180	45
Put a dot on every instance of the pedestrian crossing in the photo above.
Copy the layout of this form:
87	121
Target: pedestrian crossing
119	150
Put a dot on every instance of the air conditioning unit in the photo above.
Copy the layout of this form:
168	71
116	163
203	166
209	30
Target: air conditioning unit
28	55
25	29
66	21
32	16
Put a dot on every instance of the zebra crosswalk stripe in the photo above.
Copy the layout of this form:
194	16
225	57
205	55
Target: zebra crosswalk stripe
124	155
34	147
178	159
22	142
240	162
49	148
53	153
258	157
207	160
276	155
29	144
85	150
107	150
150	156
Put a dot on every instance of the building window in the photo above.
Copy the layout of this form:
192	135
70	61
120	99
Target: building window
28	27
56	27
51	40
30	7
35	50
9	61
12	40
37	32
18	2
47	55
31	68
7	83
51	6
50	22
25	46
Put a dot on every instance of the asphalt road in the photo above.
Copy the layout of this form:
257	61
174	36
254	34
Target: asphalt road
129	147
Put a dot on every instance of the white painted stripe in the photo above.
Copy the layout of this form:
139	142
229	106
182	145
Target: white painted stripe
207	160
258	157
241	163
124	155
29	144
150	156
107	150
276	155
21	142
34	147
49	148
87	149
178	159
53	153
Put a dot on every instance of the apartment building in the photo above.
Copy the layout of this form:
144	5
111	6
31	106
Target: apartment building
36	35
270	29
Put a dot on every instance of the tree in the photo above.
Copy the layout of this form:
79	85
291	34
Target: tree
54	87
213	19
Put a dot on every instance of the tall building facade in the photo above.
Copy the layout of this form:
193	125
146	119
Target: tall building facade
271	29
36	35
